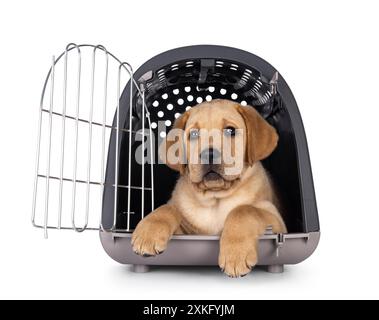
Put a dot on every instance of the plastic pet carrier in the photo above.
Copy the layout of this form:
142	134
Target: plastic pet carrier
87	102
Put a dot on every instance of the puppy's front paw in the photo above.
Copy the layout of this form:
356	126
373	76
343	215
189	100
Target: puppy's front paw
237	257
150	237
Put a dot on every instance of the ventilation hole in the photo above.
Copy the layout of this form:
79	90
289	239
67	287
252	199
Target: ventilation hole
199	99
174	65
153	125
189	62
208	98
211	89
223	91
190	98
175	91
243	103
187	89
234	96
160	114
170	106
188	107
164	96
180	101
167	123
234	65
177	115
162	134
155	103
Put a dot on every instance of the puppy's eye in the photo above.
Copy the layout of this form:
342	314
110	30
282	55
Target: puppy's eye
194	134
230	131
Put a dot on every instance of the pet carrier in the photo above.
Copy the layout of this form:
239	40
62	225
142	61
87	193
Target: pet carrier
132	186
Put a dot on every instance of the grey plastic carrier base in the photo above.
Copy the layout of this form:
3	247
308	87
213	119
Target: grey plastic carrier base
274	251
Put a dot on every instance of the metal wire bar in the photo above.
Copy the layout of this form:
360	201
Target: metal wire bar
130	146
116	232
38	149
62	228
130	72
63	136
91	182
93	122
47	188
102	174
115	201
75	164
143	155
151	156
150	134
89	149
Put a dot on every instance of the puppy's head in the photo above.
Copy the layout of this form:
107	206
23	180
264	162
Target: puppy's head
214	142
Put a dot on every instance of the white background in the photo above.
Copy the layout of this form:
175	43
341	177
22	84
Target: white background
328	51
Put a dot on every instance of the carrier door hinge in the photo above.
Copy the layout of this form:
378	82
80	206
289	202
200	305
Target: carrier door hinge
274	83
146	76
279	243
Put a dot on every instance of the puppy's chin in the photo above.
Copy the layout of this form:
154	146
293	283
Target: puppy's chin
214	180
214	184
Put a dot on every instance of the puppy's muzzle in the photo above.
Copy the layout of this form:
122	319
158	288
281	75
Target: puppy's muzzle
211	160
210	156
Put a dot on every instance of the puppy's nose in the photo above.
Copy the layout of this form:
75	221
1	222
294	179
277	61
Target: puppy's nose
210	156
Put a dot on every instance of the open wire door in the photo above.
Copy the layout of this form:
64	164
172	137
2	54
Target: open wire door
79	111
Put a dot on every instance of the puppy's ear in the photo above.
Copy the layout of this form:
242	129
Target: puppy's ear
174	156
261	137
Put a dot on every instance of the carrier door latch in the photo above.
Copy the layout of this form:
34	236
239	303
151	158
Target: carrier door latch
279	240
279	243
206	66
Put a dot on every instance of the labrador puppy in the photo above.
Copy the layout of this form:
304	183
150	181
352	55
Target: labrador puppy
223	188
